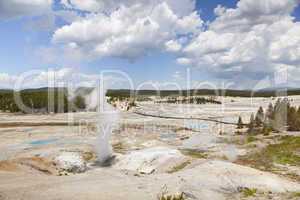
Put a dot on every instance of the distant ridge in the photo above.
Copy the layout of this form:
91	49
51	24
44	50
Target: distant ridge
5	90
266	92
209	92
279	89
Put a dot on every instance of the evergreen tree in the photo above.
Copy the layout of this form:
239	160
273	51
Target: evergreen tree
251	124
280	117
298	112
266	129
292	119
79	103
240	123
259	118
269	116
270	112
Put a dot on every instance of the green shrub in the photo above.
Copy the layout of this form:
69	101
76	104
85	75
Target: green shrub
248	192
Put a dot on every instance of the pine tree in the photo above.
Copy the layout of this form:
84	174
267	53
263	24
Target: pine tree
259	117
269	116
298	112
240	124
266	129
251	124
292	119
270	111
298	118
280	117
79	103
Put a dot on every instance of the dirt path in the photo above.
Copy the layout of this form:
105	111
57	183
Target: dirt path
189	118
35	124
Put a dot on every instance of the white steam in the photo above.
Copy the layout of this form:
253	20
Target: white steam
108	119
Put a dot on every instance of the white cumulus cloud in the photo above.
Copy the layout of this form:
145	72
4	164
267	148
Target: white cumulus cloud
249	13
128	32
248	42
62	77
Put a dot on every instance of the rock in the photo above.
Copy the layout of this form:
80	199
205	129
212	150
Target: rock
72	162
201	142
148	161
221	175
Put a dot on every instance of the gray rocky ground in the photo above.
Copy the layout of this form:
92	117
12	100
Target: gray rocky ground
43	158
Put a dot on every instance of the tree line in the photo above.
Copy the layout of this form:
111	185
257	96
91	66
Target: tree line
278	117
191	100
204	92
40	101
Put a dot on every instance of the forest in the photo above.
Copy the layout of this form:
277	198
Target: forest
45	100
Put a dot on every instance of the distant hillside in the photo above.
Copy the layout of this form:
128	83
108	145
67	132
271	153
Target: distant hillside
45	89
202	92
82	91
5	91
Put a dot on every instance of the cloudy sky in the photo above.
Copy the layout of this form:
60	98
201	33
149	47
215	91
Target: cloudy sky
229	43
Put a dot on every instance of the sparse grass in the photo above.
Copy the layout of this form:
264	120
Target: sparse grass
88	156
251	139
296	194
248	192
285	152
223	133
179	167
293	175
194	154
119	148
238	132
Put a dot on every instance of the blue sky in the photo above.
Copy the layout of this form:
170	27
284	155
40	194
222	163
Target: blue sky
16	40
27	41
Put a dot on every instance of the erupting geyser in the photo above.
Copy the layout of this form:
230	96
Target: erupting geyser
108	119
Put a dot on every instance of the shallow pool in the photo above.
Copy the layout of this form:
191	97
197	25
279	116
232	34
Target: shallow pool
43	142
